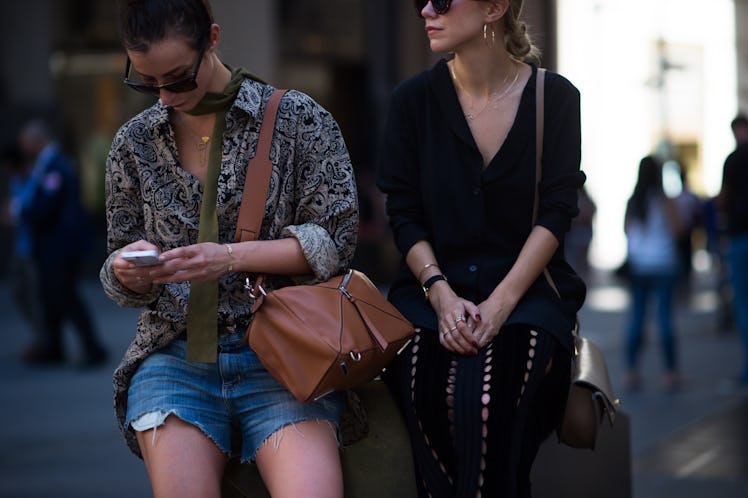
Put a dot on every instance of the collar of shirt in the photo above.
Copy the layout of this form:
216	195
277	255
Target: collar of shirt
250	97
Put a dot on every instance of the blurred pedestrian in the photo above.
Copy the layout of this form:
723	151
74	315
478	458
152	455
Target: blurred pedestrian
62	240
22	268
733	201
486	377
652	225
716	246
691	212
577	241
174	182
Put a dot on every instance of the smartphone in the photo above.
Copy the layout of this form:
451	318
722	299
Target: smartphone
142	258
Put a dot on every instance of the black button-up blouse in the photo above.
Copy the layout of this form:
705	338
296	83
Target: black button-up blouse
477	219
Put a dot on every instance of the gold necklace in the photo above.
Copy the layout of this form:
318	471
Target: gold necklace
495	96
202	140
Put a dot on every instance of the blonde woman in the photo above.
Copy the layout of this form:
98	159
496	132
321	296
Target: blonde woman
485	379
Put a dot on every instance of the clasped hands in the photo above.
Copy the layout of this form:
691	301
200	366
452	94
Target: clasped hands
464	327
201	262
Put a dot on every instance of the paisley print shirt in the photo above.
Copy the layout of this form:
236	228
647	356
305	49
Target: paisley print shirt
312	197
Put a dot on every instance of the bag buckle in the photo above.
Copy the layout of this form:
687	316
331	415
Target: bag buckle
252	290
355	356
344	282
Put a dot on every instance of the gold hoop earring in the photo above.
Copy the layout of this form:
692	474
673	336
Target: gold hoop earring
492	42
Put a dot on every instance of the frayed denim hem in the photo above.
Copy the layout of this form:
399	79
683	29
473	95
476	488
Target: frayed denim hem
277	435
155	419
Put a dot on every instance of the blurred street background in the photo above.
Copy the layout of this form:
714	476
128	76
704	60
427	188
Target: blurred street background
662	77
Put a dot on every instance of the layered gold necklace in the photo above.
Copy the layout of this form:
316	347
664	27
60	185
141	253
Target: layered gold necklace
202	140
199	141
493	98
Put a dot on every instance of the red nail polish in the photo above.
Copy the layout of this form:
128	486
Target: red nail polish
477	317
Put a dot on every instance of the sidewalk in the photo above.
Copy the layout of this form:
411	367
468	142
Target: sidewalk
692	443
58	435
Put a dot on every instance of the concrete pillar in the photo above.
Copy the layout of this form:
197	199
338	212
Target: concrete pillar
741	45
540	16
250	35
26	31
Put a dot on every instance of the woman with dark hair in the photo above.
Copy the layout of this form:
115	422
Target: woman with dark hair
189	393
485	379
652	225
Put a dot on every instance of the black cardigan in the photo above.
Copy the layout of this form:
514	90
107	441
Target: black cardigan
478	220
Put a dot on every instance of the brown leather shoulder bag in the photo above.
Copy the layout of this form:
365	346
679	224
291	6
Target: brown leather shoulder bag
315	339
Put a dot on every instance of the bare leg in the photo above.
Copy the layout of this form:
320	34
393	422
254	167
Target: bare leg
182	461
302	460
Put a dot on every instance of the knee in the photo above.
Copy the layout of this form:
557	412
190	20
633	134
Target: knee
302	458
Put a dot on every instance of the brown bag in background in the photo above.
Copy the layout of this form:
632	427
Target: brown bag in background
590	397
314	339
331	336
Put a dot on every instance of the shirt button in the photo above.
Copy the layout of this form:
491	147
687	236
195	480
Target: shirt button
473	268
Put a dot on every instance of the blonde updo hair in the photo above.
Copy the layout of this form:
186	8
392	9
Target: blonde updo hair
517	40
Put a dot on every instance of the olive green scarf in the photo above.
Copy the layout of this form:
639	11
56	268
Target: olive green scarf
202	310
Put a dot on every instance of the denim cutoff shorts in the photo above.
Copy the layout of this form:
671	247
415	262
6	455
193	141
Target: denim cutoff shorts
234	398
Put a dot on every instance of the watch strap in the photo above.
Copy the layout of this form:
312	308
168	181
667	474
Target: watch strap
431	281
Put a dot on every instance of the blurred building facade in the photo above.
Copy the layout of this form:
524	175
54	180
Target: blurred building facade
62	59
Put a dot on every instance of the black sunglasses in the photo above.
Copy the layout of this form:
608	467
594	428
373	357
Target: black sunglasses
441	7
184	85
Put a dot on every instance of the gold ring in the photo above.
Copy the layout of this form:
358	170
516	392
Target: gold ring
453	328
460	318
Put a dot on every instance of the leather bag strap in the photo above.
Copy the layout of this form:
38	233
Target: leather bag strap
539	126
371	328
257	182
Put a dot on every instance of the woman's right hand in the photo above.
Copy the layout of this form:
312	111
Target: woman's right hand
134	277
457	318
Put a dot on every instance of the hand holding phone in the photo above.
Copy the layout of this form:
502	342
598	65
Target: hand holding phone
142	258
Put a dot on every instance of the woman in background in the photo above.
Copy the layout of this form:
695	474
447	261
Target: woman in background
652	225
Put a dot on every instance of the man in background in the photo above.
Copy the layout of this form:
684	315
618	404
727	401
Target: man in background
21	267
49	204
733	202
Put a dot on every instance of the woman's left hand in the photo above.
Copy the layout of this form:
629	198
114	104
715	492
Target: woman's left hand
493	317
201	262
